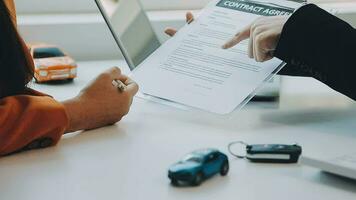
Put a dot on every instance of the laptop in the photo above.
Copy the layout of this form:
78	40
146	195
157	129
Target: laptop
335	161
334	151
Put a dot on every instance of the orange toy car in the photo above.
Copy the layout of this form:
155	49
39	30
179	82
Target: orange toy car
52	64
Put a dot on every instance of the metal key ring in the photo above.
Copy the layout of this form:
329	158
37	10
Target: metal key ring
234	143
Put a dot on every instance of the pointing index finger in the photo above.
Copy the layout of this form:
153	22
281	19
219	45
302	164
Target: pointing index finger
243	35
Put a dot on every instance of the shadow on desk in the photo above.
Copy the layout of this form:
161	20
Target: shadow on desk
104	134
81	140
327	121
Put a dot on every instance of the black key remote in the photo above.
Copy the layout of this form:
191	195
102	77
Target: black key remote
273	153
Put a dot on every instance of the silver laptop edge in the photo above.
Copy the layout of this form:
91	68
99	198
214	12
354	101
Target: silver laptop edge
327	166
116	38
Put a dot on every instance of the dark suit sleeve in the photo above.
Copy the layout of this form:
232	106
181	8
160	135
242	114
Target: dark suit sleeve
317	44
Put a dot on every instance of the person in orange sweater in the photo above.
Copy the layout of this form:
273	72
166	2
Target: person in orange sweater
32	120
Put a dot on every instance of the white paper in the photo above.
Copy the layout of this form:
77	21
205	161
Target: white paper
193	69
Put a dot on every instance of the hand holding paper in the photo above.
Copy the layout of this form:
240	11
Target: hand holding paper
172	31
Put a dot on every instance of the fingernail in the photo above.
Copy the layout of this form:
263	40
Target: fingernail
228	44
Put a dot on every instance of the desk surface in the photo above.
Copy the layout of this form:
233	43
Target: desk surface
129	160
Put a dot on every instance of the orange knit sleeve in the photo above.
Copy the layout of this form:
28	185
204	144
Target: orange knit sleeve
30	122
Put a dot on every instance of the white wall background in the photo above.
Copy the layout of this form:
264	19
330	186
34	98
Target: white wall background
54	6
77	26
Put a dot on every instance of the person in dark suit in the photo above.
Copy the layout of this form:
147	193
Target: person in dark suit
312	42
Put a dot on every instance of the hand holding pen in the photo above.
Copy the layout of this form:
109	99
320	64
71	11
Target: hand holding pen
106	100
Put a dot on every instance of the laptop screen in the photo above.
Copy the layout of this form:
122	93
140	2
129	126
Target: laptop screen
131	29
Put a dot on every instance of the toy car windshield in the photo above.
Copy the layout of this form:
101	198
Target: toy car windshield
192	158
49	52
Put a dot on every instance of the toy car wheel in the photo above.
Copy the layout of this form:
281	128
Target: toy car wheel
224	168
198	179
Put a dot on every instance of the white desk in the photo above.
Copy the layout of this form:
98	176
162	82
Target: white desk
129	161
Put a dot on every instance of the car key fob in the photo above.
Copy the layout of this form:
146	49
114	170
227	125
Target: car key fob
273	153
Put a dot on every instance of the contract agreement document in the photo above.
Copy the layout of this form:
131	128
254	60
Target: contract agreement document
193	69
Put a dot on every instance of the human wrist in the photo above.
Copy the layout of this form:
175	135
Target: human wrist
75	109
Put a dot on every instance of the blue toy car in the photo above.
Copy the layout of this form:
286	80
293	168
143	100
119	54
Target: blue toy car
198	166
